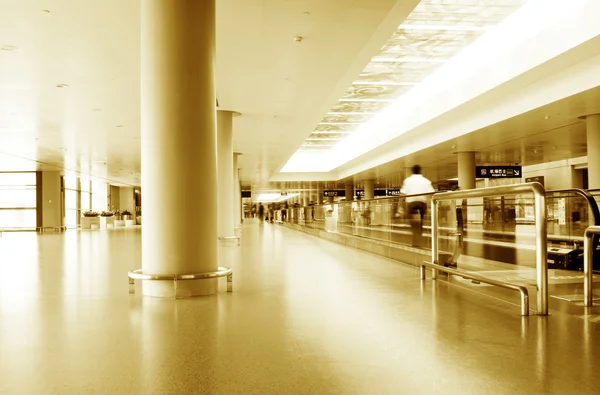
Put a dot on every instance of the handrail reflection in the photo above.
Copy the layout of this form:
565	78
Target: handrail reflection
472	276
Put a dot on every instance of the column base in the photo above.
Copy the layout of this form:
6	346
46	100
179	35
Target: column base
179	289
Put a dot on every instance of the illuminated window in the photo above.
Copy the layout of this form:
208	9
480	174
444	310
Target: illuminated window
18	201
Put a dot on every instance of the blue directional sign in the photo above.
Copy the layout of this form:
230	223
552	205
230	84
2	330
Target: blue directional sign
498	172
334	193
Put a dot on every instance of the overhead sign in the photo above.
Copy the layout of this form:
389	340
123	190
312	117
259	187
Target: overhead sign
246	194
360	192
393	192
379	193
539	179
335	193
498	171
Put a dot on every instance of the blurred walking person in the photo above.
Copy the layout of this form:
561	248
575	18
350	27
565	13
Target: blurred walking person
416	184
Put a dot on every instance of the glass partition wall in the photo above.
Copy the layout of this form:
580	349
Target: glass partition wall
18	201
20	195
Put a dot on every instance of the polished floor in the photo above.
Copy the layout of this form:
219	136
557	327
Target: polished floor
307	316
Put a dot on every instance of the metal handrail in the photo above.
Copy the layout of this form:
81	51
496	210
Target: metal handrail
588	264
221	271
471	276
587	196
591	203
540	228
382	198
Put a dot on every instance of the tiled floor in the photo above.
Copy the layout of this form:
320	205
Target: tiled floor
306	317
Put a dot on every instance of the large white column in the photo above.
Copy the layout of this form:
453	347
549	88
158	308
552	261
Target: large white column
466	170
179	157
369	189
225	173
593	150
237	191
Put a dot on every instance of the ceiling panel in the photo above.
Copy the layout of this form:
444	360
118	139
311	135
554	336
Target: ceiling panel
431	35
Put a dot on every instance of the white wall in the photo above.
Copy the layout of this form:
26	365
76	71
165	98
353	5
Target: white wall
557	175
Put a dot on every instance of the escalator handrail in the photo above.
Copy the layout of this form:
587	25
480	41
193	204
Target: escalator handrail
593	206
587	196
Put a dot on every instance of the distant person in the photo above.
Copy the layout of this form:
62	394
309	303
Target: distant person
416	184
261	212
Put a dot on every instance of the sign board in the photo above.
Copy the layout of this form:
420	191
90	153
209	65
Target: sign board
246	194
562	215
498	172
393	192
334	193
379	192
360	192
539	179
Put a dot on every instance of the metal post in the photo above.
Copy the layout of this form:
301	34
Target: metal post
541	250
435	253
588	264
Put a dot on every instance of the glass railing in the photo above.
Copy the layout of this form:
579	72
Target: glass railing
499	228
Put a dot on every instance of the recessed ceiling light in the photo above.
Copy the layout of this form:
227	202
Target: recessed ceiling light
96	109
62	86
46	11
119	126
6	47
547	117
298	39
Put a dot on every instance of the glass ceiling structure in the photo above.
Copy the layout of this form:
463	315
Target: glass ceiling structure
432	34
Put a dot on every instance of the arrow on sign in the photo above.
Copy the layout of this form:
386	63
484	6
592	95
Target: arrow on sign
516	172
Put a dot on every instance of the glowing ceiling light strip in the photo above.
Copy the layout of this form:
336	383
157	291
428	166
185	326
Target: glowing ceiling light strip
340	123
330	132
367	100
407	60
321	139
442	27
387	83
350	113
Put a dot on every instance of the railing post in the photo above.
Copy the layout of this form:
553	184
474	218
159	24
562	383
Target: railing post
588	263
435	253
541	250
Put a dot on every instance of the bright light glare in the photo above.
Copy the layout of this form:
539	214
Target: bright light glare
350	113
367	100
384	83
407	60
442	27
274	197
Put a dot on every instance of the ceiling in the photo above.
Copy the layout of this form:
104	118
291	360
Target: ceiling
70	84
550	133
433	33
284	88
